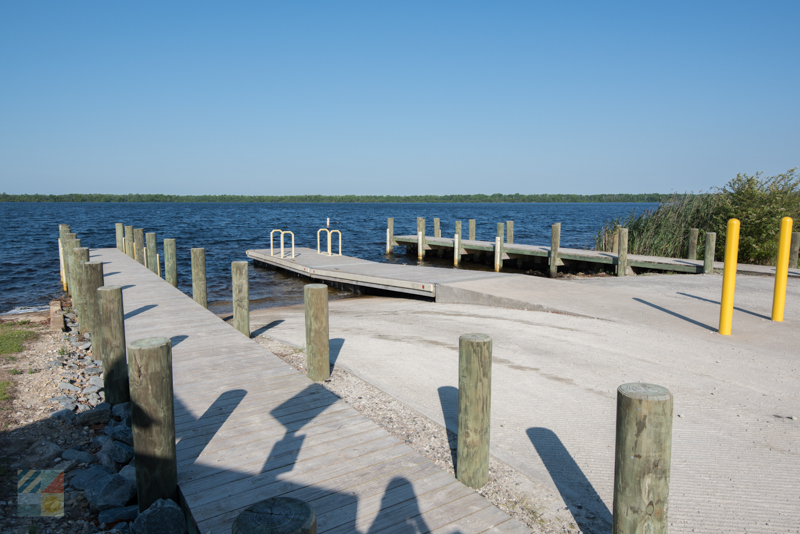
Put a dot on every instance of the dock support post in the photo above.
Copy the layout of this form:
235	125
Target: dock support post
795	248
708	253
153	420
128	234
79	295
241	297
93	279
420	246
199	276
782	270
474	409
615	241
694	233
120	236
318	362
111	339
458	229
389	235
498	254
170	262
129	247
421	230
622	255
69	258
456	248
555	244
471	234
138	245
437	229
152	254
642	459
729	277
510	232
63	230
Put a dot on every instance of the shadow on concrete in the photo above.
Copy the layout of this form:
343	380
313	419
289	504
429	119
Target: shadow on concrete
137	311
334	348
718	304
176	340
576	490
110	274
258	331
448	398
674	314
128	286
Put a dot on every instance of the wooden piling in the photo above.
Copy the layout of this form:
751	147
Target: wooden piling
111	339
437	229
615	241
170	262
317	332
510	232
555	244
120	230
498	254
458	229
152	253
642	459
471	230
199	276
795	248
694	233
128	234
63	230
456	248
501	233
474	409
622	255
129	246
421	230
93	279
708	253
153	418
241	296
389	235
67	247
81	256
138	245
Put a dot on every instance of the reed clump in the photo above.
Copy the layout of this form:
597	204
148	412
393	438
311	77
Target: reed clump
758	202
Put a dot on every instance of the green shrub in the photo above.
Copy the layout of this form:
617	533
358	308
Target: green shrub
12	338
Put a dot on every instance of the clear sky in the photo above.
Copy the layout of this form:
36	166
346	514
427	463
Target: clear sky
402	98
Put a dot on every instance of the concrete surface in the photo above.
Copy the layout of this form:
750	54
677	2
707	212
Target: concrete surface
736	448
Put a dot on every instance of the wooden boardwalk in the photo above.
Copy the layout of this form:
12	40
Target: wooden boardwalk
513	250
250	427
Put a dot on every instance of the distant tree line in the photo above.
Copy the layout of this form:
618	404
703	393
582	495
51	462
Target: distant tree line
344	199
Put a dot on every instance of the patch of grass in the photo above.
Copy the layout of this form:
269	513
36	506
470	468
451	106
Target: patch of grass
5	387
15	372
63	351
31	370
12	338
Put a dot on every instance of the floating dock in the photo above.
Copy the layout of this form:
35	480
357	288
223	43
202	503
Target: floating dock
250	427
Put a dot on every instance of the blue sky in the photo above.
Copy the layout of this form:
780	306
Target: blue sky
395	97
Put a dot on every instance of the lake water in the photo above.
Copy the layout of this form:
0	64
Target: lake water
29	259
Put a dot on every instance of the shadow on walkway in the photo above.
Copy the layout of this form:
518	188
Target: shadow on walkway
718	304
674	314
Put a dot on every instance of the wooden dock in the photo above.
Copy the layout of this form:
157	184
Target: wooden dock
250	427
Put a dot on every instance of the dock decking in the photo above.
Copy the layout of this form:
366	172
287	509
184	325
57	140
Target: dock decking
250	427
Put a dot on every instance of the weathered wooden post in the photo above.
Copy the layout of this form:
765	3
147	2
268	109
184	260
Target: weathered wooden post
111	339
555	244
501	233
81	256
708	253
138	245
199	276
129	250
615	240
421	231
63	230
474	409
68	245
437	229
93	279
128	234
171	262
458	229
795	248
471	230
510	232
153	419
498	254
642	459
456	248
694	233
389	235
241	297
318	360
152	253
120	230
622	255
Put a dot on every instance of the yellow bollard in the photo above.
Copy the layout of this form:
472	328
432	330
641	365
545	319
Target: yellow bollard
782	269
729	277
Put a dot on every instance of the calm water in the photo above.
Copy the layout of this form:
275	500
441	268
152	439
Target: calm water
30	270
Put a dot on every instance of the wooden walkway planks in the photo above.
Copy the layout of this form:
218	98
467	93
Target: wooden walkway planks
249	427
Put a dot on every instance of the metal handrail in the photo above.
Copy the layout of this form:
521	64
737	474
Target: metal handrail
329	232
271	247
